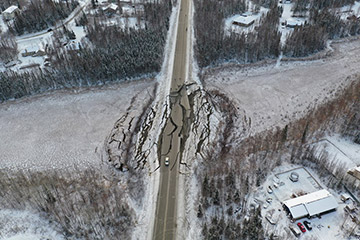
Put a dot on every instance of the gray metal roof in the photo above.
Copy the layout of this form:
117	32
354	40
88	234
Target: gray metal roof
311	204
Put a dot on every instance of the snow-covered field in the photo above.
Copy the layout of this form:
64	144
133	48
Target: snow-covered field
274	95
26	225
63	128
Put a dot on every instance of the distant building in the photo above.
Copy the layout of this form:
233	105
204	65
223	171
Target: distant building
128	10
111	8
245	20
10	12
311	204
291	23
355	172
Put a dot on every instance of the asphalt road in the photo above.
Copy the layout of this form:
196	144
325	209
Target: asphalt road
166	208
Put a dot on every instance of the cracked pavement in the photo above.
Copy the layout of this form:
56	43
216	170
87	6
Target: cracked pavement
174	134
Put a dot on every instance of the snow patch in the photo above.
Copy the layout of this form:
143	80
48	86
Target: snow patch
26	225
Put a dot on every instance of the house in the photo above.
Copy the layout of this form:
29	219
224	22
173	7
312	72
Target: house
244	20
355	172
10	12
111	9
292	23
311	204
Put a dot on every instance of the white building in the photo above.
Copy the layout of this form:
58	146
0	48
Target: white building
111	8
245	20
10	12
311	204
292	23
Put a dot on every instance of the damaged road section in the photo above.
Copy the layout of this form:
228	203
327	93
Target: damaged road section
171	145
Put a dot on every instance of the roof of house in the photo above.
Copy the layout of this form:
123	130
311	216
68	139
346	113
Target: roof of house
294	22
11	9
311	204
113	6
245	20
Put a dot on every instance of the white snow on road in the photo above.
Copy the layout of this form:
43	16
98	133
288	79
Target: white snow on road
62	129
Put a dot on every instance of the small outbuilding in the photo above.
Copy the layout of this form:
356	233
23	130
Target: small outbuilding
10	12
311	204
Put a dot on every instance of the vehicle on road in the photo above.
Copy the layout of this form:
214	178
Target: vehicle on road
302	228
166	161
308	225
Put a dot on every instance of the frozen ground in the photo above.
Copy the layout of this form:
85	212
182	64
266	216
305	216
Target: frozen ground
326	227
25	225
63	128
345	152
274	95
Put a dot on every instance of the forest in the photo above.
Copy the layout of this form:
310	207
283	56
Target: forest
8	48
111	54
311	38
41	14
85	206
214	47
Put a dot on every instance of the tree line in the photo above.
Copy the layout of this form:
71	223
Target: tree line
213	46
304	5
323	25
8	48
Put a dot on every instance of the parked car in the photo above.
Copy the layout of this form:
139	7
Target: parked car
308	225
302	228
295	231
166	161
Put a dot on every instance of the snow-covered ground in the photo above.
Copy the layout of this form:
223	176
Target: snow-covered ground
63	128
3	26
326	227
345	152
274	95
26	225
